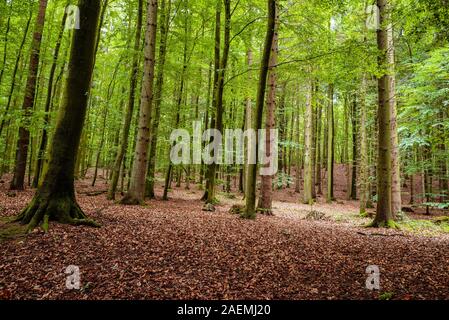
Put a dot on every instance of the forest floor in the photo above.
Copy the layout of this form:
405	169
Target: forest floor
174	250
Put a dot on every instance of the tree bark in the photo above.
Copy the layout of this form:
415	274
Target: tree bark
130	106
55	198
44	138
396	197
164	30
218	124
364	159
250	209
136	192
330	145
308	142
265	205
384	216
17	182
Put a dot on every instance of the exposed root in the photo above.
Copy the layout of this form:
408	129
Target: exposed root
265	211
390	224
129	200
60	209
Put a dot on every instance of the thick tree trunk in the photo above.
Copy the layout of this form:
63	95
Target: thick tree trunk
130	106
250	209
136	192
266	190
55	198
17	182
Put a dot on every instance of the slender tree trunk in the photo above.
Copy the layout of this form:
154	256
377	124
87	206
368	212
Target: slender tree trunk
354	149
14	74
130	106
318	150
364	159
330	145
55	198
5	47
266	190
250	210
136	192
248	117
164	30
44	139
24	134
218	125
308	142
396	197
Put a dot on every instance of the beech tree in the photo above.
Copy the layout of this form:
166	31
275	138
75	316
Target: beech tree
17	182
55	198
250	208
136	192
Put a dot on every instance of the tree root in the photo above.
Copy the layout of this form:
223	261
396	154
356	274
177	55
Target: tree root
60	209
390	224
265	212
129	200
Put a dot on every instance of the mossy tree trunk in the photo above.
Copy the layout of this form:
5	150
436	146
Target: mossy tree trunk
55	198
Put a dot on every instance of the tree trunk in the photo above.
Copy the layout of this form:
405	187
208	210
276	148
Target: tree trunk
250	209
308	142
396	197
130	106
364	160
44	139
136	192
330	145
354	149
24	134
318	150
14	75
218	96
384	216
164	30
55	198
266	197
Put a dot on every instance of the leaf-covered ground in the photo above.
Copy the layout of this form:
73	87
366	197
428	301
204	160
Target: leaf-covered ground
174	250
